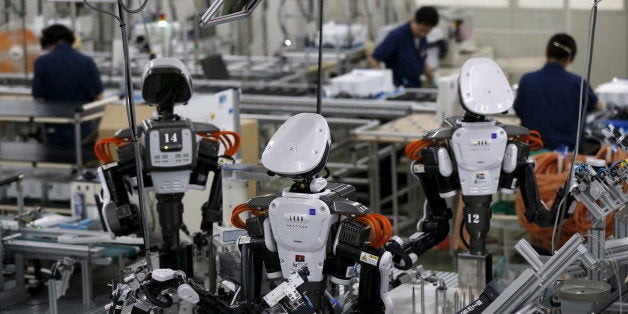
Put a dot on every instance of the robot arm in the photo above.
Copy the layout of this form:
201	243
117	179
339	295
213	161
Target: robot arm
350	247
208	162
436	167
119	216
517	165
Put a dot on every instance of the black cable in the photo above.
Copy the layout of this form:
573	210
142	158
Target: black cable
102	11
154	299
319	85
134	11
584	100
464	241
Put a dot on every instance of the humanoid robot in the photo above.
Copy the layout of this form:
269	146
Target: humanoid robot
478	156
313	225
173	162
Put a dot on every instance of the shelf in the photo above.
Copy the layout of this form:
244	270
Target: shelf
35	154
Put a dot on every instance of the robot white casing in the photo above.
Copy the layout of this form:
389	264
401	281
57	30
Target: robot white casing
300	148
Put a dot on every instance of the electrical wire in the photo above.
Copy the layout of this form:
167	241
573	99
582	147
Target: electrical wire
130	108
102	11
134	11
583	103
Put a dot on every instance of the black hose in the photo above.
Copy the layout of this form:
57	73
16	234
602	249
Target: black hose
399	253
165	303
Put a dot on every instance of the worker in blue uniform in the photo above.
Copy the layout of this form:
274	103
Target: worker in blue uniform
404	50
548	99
64	75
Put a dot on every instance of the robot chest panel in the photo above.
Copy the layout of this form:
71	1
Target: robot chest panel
479	152
300	224
479	148
171	148
301	229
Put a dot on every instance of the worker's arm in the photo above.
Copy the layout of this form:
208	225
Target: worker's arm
384	53
599	106
427	70
374	63
100	96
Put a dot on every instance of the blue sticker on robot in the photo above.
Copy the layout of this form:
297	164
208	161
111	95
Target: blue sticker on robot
493	135
312	212
222	98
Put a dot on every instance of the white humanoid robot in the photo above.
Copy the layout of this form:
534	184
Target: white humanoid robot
313	226
478	156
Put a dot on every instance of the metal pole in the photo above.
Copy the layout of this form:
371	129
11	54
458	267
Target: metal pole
394	194
136	147
24	46
319	85
78	139
86	277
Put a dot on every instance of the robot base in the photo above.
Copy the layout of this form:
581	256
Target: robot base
474	271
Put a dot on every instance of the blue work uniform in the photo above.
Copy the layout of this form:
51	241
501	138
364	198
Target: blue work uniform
404	55
64	74
548	102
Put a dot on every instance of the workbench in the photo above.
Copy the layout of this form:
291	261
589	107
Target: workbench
31	111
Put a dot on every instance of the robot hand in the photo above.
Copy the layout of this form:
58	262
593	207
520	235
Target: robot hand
148	290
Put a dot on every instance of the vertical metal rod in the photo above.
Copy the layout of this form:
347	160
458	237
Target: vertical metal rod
132	125
413	300
19	269
19	186
86	277
436	300
52	296
422	297
319	85
78	138
24	45
395	199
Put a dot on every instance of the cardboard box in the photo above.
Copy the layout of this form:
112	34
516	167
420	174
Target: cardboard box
114	118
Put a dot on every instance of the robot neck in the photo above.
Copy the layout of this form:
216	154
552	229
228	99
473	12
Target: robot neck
165	112
473	117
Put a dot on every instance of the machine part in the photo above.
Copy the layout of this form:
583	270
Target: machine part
579	296
532	283
287	294
475	271
490	293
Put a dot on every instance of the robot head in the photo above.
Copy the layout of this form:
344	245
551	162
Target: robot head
299	148
484	89
166	82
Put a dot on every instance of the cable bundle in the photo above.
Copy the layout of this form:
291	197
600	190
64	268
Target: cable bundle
229	139
533	139
413	150
549	181
381	228
237	222
102	148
